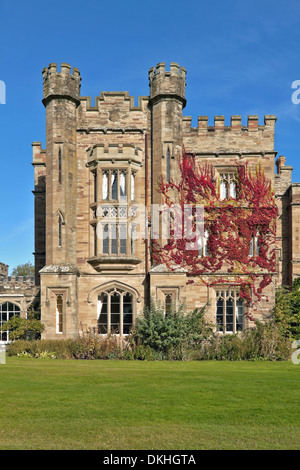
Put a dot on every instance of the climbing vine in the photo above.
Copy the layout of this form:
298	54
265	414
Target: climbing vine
231	224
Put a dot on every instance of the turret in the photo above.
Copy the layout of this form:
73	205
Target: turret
61	84
167	84
61	93
167	99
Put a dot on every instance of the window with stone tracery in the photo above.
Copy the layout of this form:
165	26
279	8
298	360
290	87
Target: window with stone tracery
227	185
8	310
115	312
114	229
116	184
229	311
114	239
168	303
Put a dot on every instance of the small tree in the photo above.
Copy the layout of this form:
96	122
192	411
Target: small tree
24	328
173	333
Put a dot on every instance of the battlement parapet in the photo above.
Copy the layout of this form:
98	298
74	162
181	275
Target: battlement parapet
115	97
61	84
17	282
167	83
235	124
12	285
115	153
160	71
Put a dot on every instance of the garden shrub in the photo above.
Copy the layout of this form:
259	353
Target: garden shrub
87	346
266	341
175	336
168	334
287	309
24	328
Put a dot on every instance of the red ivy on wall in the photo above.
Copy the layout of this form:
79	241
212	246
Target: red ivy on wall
231	224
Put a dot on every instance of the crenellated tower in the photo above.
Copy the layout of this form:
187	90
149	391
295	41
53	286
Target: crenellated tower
167	100
59	277
61	93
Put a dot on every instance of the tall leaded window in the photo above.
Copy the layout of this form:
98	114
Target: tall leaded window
8	310
132	239
114	185
168	160
60	222
115	213
202	245
59	314
114	239
95	186
105	186
95	241
229	311
59	166
115	312
132	186
168	303
227	185
122	184
105	239
254	245
123	238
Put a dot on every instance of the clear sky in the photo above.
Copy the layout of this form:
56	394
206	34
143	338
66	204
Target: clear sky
241	58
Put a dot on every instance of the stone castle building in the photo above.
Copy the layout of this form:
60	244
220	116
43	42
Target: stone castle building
101	166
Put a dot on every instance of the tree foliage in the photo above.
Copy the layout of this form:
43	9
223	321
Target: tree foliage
287	309
171	333
29	328
26	269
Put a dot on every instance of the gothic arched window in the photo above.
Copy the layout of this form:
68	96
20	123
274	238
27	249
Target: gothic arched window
115	312
229	311
227	186
168	303
8	310
59	314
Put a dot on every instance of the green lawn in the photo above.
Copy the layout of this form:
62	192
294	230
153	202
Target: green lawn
118	405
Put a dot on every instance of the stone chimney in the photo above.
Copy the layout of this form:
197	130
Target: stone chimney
280	163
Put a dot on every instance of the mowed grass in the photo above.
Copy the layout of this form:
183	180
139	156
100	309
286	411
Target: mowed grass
118	405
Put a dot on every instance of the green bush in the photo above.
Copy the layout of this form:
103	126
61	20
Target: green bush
23	328
176	336
172	334
287	310
266	341
142	353
84	347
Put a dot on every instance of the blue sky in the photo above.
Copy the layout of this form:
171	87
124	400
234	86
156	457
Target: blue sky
241	58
